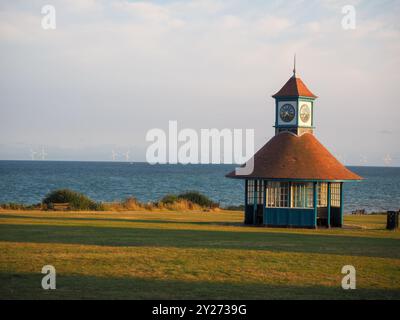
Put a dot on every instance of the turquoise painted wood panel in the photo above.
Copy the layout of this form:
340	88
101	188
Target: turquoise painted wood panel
289	217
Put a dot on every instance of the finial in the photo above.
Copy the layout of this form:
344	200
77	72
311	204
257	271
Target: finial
294	66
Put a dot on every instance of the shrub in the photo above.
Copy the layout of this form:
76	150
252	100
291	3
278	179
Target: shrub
76	200
20	206
169	199
131	203
148	206
12	206
197	198
187	200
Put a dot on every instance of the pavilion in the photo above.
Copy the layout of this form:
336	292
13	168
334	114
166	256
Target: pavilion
296	181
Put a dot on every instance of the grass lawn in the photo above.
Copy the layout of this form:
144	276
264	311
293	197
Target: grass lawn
148	255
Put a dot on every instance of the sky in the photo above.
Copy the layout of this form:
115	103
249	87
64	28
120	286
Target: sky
113	70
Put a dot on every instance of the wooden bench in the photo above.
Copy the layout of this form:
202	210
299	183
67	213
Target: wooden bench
358	212
61	206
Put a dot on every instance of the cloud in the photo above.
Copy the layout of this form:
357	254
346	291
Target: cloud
112	70
272	24
149	12
231	22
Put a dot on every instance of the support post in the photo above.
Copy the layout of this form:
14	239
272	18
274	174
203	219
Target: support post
255	201
264	204
315	204
246	200
328	199
246	188
341	204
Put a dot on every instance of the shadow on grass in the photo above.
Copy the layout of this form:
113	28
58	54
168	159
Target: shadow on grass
101	219
273	241
27	286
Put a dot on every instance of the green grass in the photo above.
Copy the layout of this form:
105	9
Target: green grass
166	255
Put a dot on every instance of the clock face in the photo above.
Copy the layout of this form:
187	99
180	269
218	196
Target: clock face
287	112
305	113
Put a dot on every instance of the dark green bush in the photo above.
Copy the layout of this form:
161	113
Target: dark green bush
194	197
76	200
197	198
169	199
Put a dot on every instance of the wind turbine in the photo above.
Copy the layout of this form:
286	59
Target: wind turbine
113	155
127	155
33	154
43	154
387	159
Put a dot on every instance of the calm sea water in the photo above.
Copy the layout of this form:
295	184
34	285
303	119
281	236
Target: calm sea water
29	181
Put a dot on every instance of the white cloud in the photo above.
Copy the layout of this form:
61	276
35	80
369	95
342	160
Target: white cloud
231	22
272	24
149	12
112	70
82	5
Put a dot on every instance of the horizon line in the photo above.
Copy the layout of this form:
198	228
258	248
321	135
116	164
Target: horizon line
144	162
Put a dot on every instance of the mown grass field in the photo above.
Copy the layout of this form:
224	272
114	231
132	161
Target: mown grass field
148	255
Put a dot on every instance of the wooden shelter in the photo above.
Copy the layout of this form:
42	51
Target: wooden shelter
296	181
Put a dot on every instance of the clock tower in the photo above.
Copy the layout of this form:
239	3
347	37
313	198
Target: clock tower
294	107
294	180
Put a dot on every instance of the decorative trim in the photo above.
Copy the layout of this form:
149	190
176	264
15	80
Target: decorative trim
292	179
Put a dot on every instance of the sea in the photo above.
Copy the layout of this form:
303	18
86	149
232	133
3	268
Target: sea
28	182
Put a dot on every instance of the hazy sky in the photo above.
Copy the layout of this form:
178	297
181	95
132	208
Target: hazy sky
112	70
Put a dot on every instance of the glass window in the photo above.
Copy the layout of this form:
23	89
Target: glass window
260	192
322	194
302	195
335	194
252	186
277	194
250	191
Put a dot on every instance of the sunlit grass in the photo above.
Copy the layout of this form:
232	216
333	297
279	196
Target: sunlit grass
192	255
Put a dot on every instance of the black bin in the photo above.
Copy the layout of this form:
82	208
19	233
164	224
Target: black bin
392	221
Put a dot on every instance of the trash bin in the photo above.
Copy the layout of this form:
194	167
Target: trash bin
392	221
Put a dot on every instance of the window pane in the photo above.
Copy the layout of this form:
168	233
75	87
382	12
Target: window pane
250	191
322	194
260	193
335	194
302	195
277	194
254	186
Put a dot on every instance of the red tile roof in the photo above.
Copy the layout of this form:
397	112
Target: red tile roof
294	87
288	156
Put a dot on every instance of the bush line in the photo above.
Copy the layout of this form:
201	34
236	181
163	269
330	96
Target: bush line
189	200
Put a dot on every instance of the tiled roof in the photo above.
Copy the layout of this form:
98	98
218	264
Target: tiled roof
294	87
288	156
